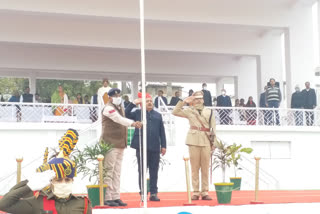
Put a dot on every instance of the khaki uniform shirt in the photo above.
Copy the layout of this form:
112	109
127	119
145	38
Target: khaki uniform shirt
196	137
20	200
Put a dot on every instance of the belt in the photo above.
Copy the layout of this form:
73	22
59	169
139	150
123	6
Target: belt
200	128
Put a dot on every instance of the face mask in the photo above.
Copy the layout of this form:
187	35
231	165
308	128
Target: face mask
204	87
297	89
116	100
62	190
223	93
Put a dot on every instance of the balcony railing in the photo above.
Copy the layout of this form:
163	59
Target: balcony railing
48	112
89	113
241	116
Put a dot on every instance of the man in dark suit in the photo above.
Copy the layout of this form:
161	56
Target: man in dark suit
156	101
224	101
206	95
297	103
309	102
174	100
262	104
156	143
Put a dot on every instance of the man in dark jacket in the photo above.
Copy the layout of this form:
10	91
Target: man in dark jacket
297	103
224	101
160	95
206	95
27	97
309	102
174	100
156	143
273	100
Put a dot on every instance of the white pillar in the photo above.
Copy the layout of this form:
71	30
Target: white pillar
219	86
288	87
32	83
260	86
236	87
169	90
135	89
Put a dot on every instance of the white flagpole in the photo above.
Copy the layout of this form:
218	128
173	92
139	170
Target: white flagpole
144	118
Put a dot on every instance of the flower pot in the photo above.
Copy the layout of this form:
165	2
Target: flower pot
224	192
237	183
94	194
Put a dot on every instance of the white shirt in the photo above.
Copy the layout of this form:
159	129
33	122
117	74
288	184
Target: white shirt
101	92
113	114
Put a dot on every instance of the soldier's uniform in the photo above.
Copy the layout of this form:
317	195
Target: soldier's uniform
198	143
21	199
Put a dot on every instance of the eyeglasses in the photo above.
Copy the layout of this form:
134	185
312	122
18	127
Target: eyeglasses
62	180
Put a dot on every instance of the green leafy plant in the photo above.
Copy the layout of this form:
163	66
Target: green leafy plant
235	157
86	159
221	157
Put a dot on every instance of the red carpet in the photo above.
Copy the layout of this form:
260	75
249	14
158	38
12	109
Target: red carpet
238	198
170	199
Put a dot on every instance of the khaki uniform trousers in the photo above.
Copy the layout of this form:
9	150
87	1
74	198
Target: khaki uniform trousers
113	162
200	160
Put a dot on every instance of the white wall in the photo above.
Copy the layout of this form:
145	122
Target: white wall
293	172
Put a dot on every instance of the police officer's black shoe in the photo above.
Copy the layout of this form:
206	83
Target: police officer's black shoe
154	197
111	203
120	203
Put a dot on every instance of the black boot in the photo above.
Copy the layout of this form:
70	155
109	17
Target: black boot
120	203
154	197
111	203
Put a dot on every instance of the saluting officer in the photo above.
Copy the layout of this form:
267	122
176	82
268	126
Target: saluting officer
200	140
50	189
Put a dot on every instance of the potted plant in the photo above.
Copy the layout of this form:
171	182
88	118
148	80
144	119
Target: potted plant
222	159
88	165
236	152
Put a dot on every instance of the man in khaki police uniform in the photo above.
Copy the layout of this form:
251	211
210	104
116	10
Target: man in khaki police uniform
198	140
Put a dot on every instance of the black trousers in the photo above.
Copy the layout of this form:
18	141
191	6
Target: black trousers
153	159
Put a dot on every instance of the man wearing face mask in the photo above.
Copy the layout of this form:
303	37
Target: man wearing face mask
156	143
200	140
224	101
297	103
206	95
50	189
114	132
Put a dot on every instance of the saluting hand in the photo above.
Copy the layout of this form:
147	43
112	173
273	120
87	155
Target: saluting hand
137	101
189	99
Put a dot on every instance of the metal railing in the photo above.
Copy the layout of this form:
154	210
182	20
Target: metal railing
89	113
242	116
48	112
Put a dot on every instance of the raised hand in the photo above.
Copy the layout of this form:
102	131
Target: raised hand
137	101
189	99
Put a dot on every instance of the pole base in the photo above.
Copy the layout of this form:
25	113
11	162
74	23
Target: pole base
187	204
101	207
256	202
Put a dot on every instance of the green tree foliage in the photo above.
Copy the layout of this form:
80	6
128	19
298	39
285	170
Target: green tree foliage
46	87
9	85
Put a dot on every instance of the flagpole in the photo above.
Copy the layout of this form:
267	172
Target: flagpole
144	118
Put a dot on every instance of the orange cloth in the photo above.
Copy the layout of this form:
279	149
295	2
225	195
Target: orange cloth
105	98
